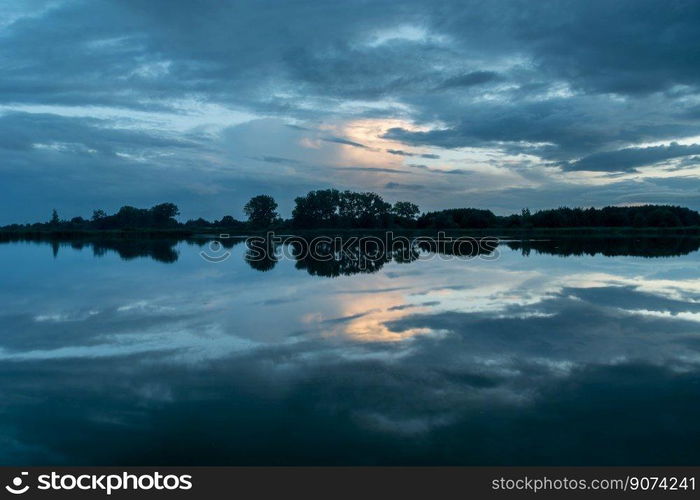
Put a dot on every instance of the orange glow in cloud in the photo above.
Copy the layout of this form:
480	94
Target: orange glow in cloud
373	311
368	132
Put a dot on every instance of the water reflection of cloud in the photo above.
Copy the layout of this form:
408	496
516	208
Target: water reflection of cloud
522	361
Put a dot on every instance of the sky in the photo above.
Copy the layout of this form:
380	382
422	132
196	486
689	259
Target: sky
492	104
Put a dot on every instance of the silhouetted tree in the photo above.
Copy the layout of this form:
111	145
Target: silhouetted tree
54	218
317	209
163	215
228	221
466	218
663	217
364	210
406	209
640	220
261	210
98	214
198	223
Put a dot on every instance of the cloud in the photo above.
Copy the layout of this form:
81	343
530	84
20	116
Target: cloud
628	160
403	187
438	171
558	129
469	79
370	169
583	87
26	131
346	142
528	372
400	152
277	159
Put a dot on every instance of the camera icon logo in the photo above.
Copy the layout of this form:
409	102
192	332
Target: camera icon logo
16	487
215	253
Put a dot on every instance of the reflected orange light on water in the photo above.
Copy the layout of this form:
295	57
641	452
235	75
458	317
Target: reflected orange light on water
372	313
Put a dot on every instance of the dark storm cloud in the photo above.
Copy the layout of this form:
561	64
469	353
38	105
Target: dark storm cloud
369	169
623	47
469	79
321	56
403	307
400	152
297	127
345	142
404	187
438	171
128	51
22	131
626	160
276	159
555	129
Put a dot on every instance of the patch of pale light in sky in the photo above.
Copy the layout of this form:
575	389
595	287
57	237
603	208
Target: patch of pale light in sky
683	141
671	172
360	107
594	178
151	70
406	33
187	115
11	12
64	147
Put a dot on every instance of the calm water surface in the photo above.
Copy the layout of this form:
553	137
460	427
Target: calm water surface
146	354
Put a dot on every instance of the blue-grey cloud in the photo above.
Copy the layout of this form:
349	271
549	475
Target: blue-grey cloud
469	79
426	168
629	159
277	159
401	152
554	129
579	85
403	187
370	169
346	142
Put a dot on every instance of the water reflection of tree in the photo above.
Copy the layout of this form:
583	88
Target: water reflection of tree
261	254
640	247
334	257
339	257
158	249
458	247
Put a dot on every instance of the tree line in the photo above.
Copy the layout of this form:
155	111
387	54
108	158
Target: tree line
334	209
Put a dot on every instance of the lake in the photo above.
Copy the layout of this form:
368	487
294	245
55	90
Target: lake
544	352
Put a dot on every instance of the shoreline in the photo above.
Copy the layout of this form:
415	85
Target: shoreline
207	233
